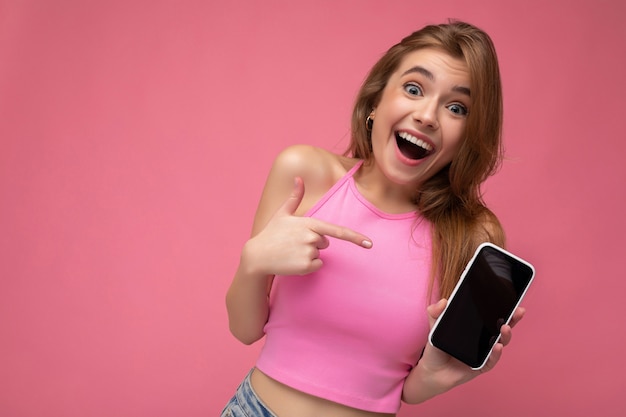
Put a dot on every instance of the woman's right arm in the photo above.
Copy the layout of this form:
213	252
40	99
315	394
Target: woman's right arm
283	242
247	299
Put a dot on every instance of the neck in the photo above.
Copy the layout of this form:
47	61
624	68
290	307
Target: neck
383	193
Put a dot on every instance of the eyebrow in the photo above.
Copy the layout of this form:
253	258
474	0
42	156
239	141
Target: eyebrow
421	70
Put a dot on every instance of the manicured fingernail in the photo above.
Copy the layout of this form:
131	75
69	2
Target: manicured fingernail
366	244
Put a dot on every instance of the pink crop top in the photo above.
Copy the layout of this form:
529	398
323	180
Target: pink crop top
351	331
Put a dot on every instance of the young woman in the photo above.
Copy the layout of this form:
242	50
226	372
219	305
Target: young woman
349	252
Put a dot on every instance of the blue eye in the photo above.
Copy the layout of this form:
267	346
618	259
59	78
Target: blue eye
413	89
458	109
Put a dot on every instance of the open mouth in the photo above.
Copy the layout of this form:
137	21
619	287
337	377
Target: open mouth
412	147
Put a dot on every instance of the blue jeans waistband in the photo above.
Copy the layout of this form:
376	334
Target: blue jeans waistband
247	401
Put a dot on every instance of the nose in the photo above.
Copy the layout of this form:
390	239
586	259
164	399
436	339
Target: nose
425	114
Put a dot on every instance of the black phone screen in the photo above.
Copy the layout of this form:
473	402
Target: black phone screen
483	301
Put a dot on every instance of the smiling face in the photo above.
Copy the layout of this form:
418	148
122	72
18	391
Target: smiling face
420	119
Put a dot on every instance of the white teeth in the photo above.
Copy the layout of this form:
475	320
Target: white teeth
415	141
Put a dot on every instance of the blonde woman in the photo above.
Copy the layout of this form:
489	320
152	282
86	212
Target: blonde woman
352	256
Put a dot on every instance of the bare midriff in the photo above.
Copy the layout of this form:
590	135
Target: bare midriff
288	402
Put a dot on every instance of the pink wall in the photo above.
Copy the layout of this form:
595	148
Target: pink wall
135	138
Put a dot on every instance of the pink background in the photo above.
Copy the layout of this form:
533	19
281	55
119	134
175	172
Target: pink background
135	139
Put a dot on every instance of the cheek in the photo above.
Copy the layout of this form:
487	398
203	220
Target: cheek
380	131
456	135
379	142
456	145
453	147
456	148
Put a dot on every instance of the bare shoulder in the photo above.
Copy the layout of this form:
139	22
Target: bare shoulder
318	168
311	163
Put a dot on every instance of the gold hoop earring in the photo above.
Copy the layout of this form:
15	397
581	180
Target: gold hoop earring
369	123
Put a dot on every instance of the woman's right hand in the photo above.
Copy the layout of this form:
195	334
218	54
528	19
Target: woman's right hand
291	244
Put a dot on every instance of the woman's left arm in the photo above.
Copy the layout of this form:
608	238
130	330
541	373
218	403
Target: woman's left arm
437	372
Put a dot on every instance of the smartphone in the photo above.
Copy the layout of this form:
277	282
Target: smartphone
488	292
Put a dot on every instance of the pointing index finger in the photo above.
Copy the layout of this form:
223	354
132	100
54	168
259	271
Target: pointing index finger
344	233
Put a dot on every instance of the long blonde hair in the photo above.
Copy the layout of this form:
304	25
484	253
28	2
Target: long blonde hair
451	200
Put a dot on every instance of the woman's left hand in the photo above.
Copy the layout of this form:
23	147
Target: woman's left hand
437	372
